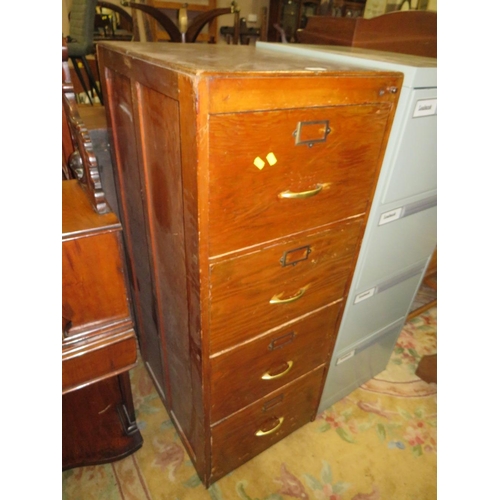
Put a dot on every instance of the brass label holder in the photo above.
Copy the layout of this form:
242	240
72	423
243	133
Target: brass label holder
311	132
294	256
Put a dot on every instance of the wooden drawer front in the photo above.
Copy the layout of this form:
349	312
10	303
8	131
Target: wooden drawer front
89	362
253	370
94	294
234	440
345	164
242	288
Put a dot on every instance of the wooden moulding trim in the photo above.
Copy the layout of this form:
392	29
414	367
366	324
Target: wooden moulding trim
75	387
85	345
91	232
98	329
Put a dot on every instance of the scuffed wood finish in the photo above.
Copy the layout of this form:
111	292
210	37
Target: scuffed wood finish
206	230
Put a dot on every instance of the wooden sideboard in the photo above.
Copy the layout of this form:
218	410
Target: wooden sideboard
98	339
245	178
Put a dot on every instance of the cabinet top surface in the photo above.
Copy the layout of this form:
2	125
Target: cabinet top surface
419	71
78	216
198	59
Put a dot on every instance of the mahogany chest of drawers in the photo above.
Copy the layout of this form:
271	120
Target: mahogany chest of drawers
244	180
99	346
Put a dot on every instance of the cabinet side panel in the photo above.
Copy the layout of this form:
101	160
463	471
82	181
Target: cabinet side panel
118	92
193	130
159	125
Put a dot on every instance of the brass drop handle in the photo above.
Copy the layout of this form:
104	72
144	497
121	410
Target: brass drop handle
270	431
268	376
277	300
303	194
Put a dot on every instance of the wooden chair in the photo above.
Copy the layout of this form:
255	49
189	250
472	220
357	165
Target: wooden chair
126	28
188	27
81	43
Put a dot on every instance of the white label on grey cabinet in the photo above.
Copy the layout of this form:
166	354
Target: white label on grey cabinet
425	107
346	356
364	295
390	216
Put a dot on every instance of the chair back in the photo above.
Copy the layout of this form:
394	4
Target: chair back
81	27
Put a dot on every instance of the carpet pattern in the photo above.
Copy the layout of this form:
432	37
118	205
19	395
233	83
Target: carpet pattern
378	443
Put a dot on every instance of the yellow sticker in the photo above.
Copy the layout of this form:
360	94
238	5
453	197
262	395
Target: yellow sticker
259	163
271	159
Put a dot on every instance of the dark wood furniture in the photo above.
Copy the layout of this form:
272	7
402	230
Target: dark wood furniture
407	32
99	345
98	338
245	182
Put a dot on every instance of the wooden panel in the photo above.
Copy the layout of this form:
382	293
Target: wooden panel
98	339
234	439
243	287
78	217
326	30
129	187
163	199
411	32
92	294
232	95
242	195
98	424
237	375
95	359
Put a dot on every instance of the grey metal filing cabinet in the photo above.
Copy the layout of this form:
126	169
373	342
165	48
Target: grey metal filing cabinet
401	233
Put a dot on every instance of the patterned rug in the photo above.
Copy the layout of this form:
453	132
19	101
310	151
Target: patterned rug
378	443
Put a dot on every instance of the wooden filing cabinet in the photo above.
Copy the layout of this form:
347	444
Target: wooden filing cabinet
244	180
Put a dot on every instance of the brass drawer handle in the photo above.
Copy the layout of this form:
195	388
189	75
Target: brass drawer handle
301	195
277	300
274	429
268	376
